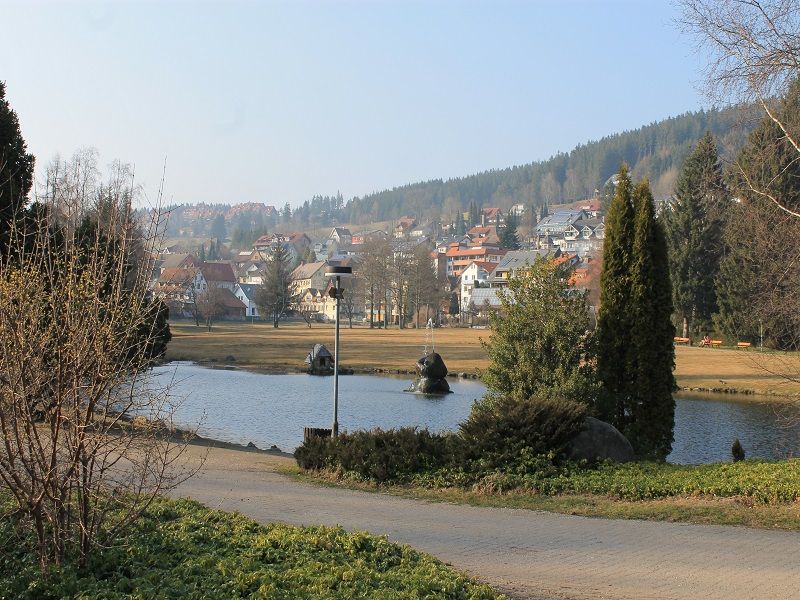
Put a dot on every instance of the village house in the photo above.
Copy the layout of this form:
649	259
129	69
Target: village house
341	235
218	274
459	258
295	244
492	216
556	224
476	275
364	236
246	294
310	275
404	226
514	260
584	237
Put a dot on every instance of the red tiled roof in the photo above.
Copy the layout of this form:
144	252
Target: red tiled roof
177	275
218	271
486	265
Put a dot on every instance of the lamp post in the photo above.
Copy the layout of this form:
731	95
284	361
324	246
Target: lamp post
338	273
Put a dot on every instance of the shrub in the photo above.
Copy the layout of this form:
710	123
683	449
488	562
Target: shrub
382	455
499	429
737	451
316	453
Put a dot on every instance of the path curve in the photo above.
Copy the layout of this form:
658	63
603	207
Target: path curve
527	554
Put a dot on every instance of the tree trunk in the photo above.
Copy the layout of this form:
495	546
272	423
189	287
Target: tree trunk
685	327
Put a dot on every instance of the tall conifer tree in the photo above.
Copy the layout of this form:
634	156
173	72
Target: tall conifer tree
650	409
613	326
635	353
16	169
508	236
694	231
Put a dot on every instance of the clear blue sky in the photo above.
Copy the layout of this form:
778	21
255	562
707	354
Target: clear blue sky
276	102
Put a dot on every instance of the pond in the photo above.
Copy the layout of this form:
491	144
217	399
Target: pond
241	407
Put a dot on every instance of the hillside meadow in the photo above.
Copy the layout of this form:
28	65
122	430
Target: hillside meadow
259	346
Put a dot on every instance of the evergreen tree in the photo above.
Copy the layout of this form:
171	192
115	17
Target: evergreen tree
287	213
460	227
218	227
635	347
16	169
613	327
539	345
453	309
273	296
694	231
201	253
474	216
650	409
508	237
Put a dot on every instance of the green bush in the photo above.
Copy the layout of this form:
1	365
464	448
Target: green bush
499	430
180	549
316	453
382	455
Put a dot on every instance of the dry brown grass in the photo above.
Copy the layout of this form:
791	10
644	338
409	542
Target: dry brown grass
260	346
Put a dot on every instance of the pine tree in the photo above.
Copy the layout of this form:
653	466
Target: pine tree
694	232
613	326
16	169
460	227
650	409
201	253
273	296
508	237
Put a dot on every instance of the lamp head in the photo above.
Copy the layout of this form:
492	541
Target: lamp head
339	272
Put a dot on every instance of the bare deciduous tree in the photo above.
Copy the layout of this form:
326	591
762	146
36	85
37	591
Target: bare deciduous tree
86	443
211	305
755	57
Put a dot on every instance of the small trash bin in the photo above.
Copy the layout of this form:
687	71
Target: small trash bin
311	432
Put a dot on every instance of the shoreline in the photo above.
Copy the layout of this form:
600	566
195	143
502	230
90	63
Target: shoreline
745	393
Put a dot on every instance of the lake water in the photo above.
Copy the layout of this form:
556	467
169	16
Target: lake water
241	407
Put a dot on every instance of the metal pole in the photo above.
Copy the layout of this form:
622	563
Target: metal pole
335	428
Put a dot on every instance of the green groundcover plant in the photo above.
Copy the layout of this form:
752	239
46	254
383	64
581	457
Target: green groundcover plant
180	549
767	482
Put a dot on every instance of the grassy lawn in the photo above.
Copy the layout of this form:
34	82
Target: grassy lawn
260	346
669	492
181	549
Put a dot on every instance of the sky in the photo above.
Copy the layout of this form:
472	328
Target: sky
275	102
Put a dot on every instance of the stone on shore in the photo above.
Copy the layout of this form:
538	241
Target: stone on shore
600	441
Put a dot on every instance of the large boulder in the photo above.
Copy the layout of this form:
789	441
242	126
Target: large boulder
428	385
431	365
600	441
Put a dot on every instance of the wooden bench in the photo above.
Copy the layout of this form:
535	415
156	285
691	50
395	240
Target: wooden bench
743	344
681	340
716	343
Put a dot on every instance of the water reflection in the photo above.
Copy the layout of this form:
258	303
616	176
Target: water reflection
242	407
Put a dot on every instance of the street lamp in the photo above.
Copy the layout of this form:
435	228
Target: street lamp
338	273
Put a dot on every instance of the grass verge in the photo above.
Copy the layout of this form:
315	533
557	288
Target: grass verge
181	549
682	503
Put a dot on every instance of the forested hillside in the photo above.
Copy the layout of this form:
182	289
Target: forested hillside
656	151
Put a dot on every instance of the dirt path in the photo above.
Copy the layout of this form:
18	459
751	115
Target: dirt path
524	553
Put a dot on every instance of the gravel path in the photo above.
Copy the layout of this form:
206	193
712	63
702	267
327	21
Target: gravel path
526	554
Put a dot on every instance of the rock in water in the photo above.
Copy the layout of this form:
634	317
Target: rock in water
431	373
431	365
600	441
